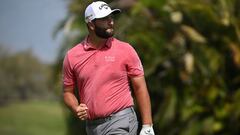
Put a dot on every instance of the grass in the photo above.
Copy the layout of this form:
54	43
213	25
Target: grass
32	118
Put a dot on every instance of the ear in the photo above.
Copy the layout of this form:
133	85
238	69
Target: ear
91	26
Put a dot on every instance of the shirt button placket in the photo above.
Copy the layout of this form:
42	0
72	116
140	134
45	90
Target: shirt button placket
96	59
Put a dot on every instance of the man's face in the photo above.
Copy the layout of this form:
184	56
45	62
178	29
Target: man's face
104	27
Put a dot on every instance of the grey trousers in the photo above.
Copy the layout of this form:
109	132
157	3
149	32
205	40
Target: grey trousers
121	123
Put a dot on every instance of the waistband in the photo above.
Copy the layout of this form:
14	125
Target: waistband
120	113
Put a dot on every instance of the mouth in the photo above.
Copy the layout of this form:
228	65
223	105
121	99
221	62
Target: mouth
109	30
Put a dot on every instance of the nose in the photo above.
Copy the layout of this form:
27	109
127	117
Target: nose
110	21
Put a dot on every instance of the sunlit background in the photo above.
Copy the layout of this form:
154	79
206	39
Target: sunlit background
190	50
28	48
29	24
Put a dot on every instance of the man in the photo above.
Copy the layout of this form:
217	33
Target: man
101	67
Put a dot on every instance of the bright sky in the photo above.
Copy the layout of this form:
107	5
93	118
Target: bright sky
30	24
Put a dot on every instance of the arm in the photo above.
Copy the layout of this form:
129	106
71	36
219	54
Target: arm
144	103
69	98
80	110
135	68
143	99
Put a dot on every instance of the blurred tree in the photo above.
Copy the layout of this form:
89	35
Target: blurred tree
191	55
22	76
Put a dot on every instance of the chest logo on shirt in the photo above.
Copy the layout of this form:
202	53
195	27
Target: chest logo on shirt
109	58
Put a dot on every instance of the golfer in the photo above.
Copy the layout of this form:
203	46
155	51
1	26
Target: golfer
102	68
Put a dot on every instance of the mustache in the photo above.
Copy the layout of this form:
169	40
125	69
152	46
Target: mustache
109	28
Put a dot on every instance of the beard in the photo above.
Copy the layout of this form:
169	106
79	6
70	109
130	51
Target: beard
104	32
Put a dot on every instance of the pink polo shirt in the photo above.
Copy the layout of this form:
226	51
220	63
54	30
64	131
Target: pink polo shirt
101	75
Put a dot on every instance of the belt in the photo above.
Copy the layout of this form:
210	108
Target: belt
120	113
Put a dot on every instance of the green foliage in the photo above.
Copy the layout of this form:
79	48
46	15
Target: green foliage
22	76
191	54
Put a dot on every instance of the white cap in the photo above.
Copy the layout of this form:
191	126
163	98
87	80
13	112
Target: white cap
98	9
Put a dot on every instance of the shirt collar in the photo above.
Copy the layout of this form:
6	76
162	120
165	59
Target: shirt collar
88	46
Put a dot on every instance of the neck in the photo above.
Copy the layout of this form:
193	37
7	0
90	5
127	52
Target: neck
96	42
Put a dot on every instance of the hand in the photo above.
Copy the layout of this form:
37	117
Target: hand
81	111
147	130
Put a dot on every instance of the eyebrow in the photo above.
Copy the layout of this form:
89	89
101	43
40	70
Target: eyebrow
109	16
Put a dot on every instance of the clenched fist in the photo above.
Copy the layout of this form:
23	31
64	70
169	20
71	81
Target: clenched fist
81	111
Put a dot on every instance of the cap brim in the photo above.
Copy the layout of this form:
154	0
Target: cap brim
116	11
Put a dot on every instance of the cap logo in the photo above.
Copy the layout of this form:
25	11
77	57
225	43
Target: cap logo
89	16
104	6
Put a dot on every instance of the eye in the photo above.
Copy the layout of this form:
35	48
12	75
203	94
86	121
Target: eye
110	17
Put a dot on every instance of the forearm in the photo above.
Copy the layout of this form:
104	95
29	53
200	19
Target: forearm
143	101
70	100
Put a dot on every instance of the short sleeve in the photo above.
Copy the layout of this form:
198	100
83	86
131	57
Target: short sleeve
134	65
68	74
